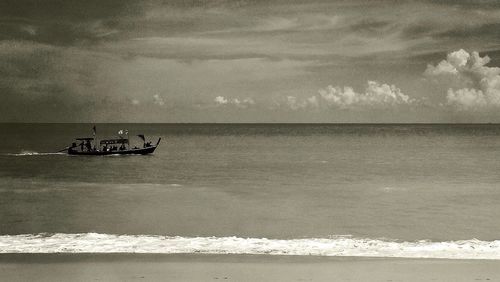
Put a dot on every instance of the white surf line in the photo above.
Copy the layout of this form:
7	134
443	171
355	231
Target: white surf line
336	246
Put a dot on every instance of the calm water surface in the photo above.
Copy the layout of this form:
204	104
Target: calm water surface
404	182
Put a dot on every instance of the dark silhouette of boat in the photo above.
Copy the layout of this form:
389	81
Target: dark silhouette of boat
110	146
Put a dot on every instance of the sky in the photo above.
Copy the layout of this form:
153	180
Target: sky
249	61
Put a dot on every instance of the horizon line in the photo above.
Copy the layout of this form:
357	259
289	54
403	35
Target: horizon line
271	123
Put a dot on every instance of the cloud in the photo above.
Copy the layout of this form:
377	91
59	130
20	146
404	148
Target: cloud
313	101
86	58
245	103
158	100
55	83
294	103
376	95
240	103
453	62
472	85
466	98
221	100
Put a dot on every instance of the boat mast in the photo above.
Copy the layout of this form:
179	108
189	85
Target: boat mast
96	145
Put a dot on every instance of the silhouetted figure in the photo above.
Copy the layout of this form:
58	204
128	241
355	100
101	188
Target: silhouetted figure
88	146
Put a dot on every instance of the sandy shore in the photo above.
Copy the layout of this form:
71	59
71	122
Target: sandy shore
134	267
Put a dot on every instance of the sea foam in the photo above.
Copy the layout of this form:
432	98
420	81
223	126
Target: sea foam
335	246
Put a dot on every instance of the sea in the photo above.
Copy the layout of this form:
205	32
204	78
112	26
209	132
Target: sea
370	190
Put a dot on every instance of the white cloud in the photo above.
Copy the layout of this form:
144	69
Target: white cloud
294	103
243	103
473	85
444	67
376	95
458	58
454	61
220	100
158	100
313	101
135	102
466	98
240	103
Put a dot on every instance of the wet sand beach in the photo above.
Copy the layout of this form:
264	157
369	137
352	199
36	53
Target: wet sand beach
150	267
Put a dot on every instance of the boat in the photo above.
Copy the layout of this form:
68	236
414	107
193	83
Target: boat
110	146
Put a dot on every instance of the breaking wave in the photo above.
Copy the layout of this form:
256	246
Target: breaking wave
335	246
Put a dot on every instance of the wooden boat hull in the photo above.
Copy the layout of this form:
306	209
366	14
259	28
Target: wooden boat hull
139	151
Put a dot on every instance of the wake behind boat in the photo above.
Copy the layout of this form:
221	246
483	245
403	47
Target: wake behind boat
120	146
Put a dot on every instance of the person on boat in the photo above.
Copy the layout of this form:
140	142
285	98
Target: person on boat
88	146
81	146
122	147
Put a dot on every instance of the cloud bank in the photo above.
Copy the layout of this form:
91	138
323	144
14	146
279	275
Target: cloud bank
470	89
376	96
472	84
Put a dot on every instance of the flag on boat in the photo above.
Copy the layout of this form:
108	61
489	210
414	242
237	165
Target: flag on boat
142	137
121	132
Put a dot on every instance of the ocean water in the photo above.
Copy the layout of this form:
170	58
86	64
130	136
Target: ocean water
297	189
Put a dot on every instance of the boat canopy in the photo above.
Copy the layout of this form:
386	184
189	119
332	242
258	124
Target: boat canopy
84	139
114	141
